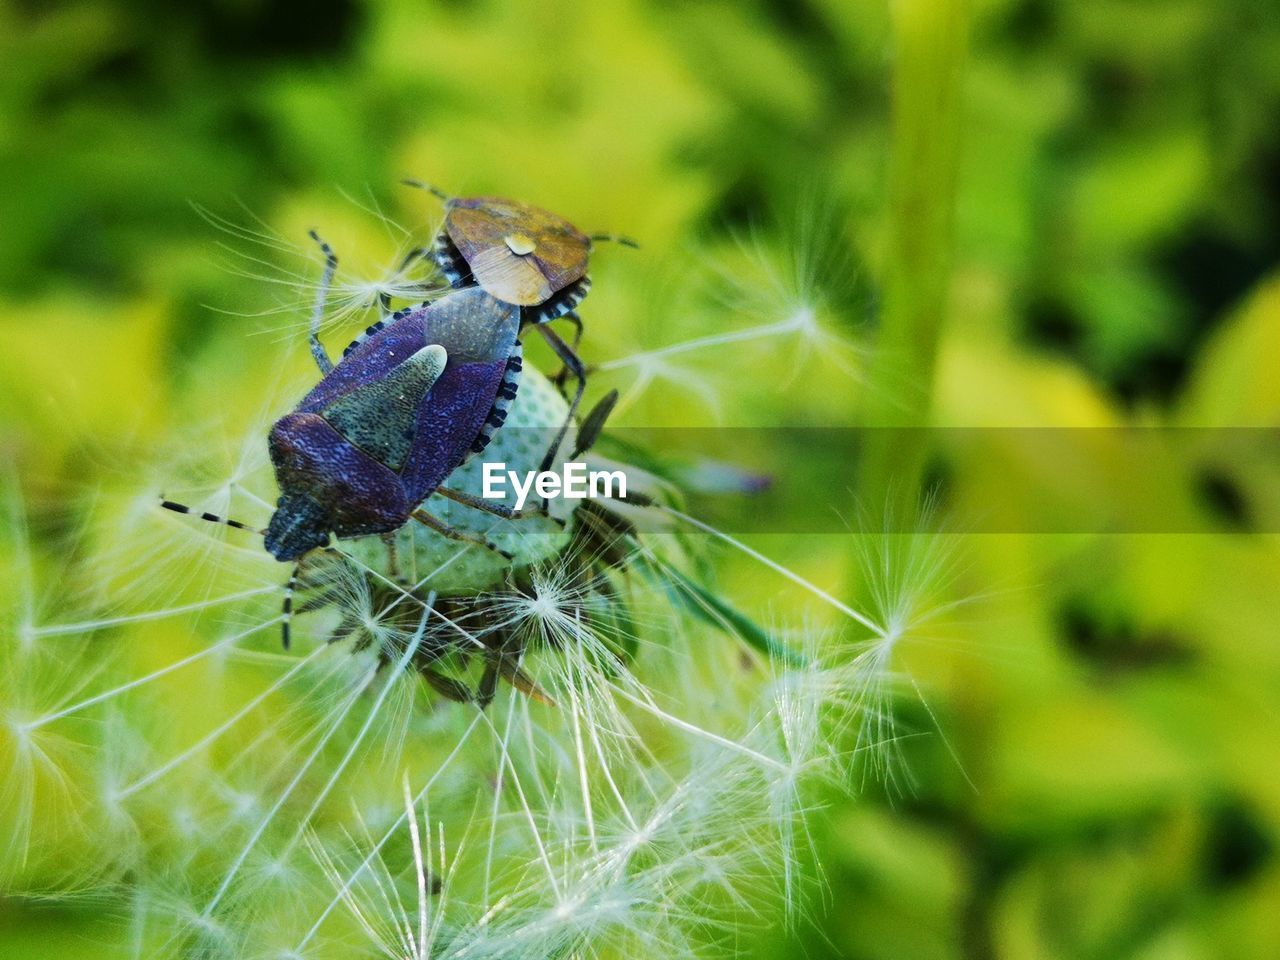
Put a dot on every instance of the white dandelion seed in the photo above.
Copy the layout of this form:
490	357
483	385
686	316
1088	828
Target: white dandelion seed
641	784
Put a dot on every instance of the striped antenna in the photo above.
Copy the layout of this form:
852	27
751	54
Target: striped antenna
211	517
614	238
436	191
286	606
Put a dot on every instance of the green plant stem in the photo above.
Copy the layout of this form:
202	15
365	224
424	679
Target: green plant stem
930	42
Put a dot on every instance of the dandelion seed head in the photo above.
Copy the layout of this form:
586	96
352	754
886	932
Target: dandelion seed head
632	788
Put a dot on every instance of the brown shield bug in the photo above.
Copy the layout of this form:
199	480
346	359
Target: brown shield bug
525	256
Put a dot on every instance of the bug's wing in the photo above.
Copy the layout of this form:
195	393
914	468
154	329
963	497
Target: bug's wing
508	277
381	417
413	409
450	418
481	336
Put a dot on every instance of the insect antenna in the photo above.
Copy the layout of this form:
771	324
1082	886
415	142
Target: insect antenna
211	517
436	191
286	606
614	238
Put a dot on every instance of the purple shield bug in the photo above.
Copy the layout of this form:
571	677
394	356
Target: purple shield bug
385	427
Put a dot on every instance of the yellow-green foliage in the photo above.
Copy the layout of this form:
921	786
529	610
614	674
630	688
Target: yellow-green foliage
1084	751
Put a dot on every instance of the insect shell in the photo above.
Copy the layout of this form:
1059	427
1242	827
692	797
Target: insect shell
384	428
584	547
524	256
418	553
516	252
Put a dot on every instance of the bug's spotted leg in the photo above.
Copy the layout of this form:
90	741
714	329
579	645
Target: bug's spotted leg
573	318
490	506
462	536
322	294
286	606
574	365
563	373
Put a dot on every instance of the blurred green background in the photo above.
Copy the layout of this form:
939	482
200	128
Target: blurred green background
1116	260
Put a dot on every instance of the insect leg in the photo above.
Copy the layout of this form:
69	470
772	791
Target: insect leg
393	558
574	365
286	606
488	506
417	253
563	373
572	317
317	312
442	528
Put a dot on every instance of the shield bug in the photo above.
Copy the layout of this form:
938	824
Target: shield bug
516	252
525	256
464	583
386	426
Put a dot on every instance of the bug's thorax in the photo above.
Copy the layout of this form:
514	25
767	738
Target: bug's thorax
518	253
